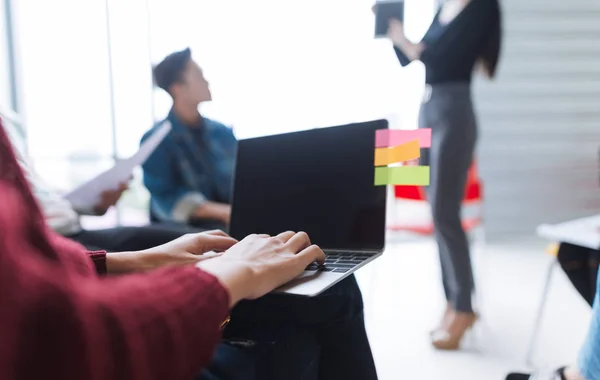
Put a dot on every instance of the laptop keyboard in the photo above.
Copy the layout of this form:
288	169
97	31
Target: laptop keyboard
339	262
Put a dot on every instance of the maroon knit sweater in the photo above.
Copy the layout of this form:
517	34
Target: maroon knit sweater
60	320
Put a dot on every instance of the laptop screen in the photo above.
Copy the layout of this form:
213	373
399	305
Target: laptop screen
320	181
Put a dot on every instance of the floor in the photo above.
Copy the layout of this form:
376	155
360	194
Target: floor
403	300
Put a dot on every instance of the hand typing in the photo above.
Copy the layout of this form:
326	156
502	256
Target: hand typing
260	263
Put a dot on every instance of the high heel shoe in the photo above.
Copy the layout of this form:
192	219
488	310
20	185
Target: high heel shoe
450	337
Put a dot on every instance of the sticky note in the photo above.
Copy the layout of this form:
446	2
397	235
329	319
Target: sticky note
385	138
400	153
402	175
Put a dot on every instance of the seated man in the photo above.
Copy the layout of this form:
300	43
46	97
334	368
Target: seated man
189	175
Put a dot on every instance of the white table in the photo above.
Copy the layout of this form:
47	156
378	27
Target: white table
583	232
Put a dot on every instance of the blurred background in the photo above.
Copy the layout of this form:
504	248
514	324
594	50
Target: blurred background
83	70
76	84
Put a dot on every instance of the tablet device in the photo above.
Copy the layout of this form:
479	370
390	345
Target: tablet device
384	11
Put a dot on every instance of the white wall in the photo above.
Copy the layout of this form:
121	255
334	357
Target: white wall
540	120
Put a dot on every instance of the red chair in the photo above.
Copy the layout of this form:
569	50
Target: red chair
473	199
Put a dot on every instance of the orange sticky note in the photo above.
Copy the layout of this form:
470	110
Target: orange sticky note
405	152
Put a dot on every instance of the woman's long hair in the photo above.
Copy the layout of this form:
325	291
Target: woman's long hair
491	53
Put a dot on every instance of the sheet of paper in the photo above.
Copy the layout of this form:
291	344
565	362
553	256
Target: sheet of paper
400	153
583	232
150	144
402	175
385	138
88	195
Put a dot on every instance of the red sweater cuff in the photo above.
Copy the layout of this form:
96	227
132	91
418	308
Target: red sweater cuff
99	260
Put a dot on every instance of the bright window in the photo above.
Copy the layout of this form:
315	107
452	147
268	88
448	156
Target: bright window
291	65
65	87
273	66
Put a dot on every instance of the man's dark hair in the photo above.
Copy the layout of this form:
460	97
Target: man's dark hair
170	70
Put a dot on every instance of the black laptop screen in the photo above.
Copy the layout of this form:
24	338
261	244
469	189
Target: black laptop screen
320	181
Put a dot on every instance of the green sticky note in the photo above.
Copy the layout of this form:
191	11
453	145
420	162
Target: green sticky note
402	175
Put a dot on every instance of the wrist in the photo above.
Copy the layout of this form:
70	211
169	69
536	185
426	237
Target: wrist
400	41
206	210
213	210
224	214
234	277
123	262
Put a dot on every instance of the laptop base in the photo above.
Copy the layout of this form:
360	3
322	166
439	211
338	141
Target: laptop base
312	283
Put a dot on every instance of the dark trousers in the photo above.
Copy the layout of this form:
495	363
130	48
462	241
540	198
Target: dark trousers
449	113
581	266
288	337
120	239
276	337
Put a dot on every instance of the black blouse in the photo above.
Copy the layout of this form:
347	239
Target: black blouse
451	50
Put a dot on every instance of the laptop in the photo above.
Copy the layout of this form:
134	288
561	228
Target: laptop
320	181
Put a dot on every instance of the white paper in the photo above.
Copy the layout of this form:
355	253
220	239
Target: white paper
582	232
88	195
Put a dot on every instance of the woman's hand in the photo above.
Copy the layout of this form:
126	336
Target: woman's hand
260	263
396	32
396	35
188	249
395	29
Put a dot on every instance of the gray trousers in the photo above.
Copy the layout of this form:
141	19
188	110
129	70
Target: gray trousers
448	111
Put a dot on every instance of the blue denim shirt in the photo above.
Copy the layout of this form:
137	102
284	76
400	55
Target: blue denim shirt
189	167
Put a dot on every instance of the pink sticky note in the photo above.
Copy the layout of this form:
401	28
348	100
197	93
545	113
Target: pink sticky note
385	138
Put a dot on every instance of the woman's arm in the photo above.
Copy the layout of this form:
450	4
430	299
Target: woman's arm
58	318
407	48
460	37
162	325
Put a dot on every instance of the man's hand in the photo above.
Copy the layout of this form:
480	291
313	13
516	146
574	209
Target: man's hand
109	198
213	210
225	214
188	249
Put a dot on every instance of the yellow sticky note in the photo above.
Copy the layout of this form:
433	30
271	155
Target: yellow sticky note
405	152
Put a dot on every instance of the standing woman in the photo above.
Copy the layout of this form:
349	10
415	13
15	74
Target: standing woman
465	34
